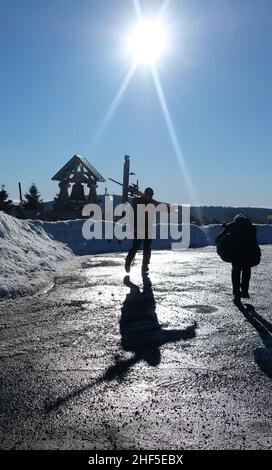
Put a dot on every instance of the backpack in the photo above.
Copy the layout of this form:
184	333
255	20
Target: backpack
226	248
232	250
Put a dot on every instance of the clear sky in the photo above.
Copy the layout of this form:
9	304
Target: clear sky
63	62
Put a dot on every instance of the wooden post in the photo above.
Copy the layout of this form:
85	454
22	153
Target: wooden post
20	194
126	179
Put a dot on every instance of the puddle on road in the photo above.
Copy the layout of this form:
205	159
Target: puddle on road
101	264
201	308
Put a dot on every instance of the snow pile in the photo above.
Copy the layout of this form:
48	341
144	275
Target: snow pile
69	232
30	250
27	254
264	234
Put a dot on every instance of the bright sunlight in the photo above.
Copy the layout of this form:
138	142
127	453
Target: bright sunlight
147	42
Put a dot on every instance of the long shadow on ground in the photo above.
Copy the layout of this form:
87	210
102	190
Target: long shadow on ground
141	334
262	356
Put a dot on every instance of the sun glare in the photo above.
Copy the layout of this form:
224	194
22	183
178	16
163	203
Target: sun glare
147	42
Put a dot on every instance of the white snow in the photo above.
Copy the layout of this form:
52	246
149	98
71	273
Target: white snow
32	249
70	233
28	255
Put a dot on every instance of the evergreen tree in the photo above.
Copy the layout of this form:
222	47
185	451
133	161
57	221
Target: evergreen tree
5	202
57	202
33	199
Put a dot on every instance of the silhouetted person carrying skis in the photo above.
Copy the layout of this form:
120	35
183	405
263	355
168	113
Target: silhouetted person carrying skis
142	231
238	244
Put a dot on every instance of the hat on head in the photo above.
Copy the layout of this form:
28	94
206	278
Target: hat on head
239	216
149	191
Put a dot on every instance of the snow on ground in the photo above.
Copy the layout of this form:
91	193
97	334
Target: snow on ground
32	249
28	255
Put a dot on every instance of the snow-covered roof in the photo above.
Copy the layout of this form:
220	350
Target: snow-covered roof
73	164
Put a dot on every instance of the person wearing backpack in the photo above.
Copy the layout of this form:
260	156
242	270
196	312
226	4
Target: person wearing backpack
238	244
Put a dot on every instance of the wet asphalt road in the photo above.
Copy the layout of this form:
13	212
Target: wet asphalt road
168	363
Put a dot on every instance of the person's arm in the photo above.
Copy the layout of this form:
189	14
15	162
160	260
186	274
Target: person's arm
157	203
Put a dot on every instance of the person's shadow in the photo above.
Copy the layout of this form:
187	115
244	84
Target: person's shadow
262	356
141	332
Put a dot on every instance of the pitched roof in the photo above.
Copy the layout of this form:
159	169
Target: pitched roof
72	164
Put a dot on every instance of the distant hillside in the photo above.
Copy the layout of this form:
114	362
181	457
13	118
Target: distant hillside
217	214
205	215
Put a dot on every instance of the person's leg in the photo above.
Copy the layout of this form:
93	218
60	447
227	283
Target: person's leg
131	254
246	275
236	280
146	254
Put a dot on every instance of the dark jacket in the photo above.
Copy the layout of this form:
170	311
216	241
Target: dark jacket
238	243
143	200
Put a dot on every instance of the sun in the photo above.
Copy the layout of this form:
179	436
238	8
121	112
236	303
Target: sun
147	42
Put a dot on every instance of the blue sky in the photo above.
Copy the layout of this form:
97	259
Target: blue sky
63	61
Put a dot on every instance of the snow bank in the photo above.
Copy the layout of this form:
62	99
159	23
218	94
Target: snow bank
70	233
27	254
30	250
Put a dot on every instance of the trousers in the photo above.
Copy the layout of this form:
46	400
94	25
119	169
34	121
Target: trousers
136	246
240	278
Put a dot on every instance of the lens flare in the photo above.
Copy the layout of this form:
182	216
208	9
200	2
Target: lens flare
147	42
173	135
112	108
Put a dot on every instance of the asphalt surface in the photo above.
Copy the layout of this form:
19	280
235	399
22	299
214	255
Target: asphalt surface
167	362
